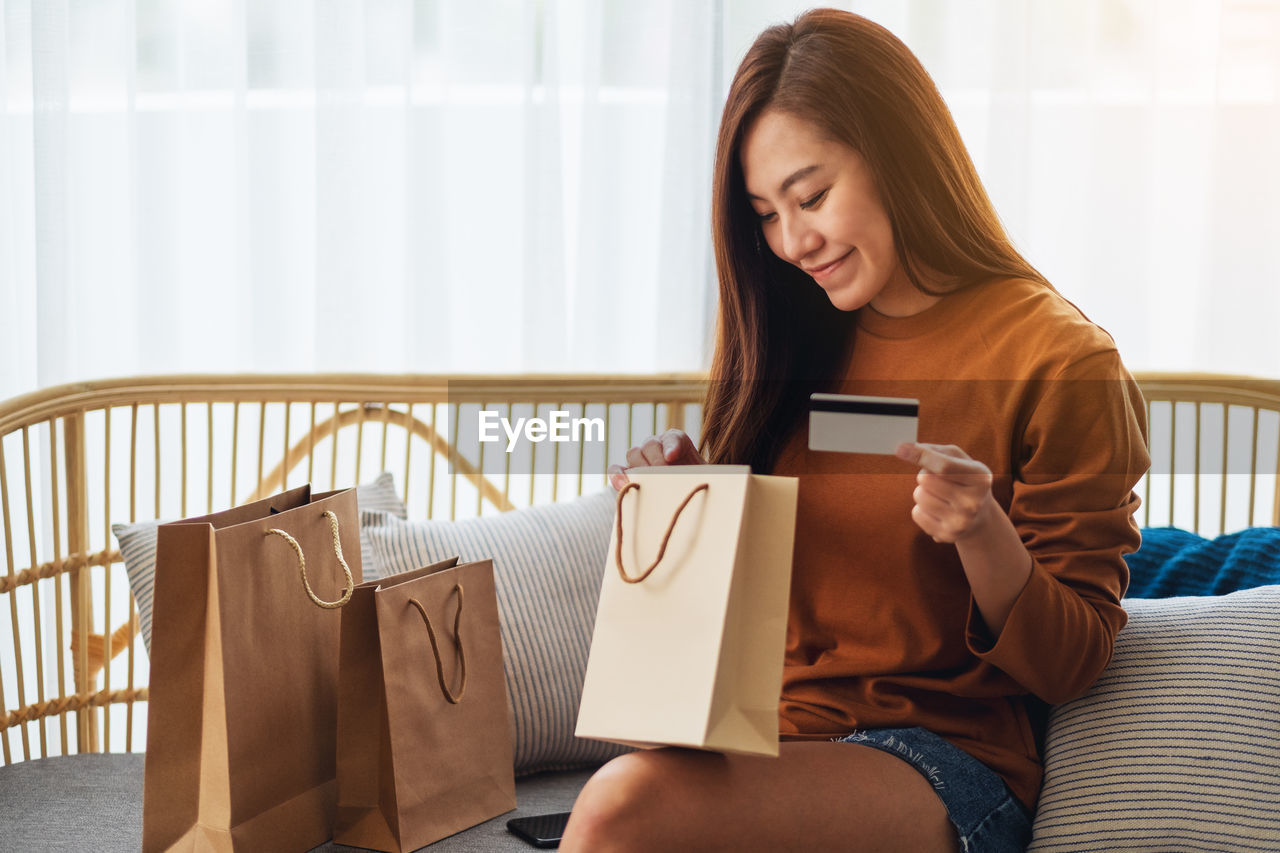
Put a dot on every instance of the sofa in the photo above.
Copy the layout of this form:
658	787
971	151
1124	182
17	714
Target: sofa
1155	757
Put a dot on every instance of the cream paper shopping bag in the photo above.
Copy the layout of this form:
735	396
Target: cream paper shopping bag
690	630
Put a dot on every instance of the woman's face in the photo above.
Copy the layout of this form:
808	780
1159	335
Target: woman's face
819	209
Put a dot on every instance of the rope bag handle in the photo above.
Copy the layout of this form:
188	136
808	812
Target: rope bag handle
435	647
662	549
302	564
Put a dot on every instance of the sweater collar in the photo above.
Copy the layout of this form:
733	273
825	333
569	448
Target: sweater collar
931	319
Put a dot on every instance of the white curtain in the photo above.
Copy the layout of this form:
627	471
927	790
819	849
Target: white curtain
281	185
523	185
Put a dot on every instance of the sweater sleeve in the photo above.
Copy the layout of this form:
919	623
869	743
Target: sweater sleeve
1082	448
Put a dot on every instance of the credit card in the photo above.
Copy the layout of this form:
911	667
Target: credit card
849	423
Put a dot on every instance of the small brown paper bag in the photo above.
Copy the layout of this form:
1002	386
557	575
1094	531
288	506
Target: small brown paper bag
242	718
690	630
424	726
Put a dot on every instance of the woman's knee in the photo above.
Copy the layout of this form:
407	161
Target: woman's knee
618	804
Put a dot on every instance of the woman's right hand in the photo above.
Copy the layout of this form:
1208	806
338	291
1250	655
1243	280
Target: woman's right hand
673	447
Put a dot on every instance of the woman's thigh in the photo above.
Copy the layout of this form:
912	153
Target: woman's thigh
814	796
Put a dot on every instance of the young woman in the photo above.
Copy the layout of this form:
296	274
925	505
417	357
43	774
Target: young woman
943	597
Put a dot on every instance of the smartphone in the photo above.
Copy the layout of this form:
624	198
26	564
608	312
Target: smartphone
544	830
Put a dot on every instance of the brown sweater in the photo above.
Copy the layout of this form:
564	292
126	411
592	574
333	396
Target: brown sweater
883	631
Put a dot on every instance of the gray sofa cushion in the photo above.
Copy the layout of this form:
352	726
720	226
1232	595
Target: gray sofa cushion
94	803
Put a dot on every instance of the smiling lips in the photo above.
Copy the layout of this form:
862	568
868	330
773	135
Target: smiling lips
827	269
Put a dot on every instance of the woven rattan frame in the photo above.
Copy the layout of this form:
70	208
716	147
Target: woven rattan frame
61	570
62	688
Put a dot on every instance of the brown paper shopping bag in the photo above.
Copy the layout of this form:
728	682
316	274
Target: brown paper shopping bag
241	723
424	727
690	630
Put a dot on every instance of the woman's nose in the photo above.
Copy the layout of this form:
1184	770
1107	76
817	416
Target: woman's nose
799	239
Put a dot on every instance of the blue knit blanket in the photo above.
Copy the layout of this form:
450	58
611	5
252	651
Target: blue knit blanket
1177	562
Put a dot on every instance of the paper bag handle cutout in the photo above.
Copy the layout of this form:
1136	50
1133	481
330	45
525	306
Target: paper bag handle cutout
435	648
302	564
662	549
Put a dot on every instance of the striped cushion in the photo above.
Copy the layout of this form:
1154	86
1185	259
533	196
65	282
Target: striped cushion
377	496
1177	746
138	546
548	562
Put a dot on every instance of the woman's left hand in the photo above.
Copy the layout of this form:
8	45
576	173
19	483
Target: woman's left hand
953	492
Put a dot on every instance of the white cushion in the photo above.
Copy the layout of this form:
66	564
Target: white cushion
138	546
1177	746
548	562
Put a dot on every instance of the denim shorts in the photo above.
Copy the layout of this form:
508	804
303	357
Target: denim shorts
987	816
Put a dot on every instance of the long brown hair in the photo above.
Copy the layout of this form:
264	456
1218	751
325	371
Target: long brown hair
778	337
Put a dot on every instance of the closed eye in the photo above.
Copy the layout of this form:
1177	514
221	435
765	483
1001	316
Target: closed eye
808	204
816	200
